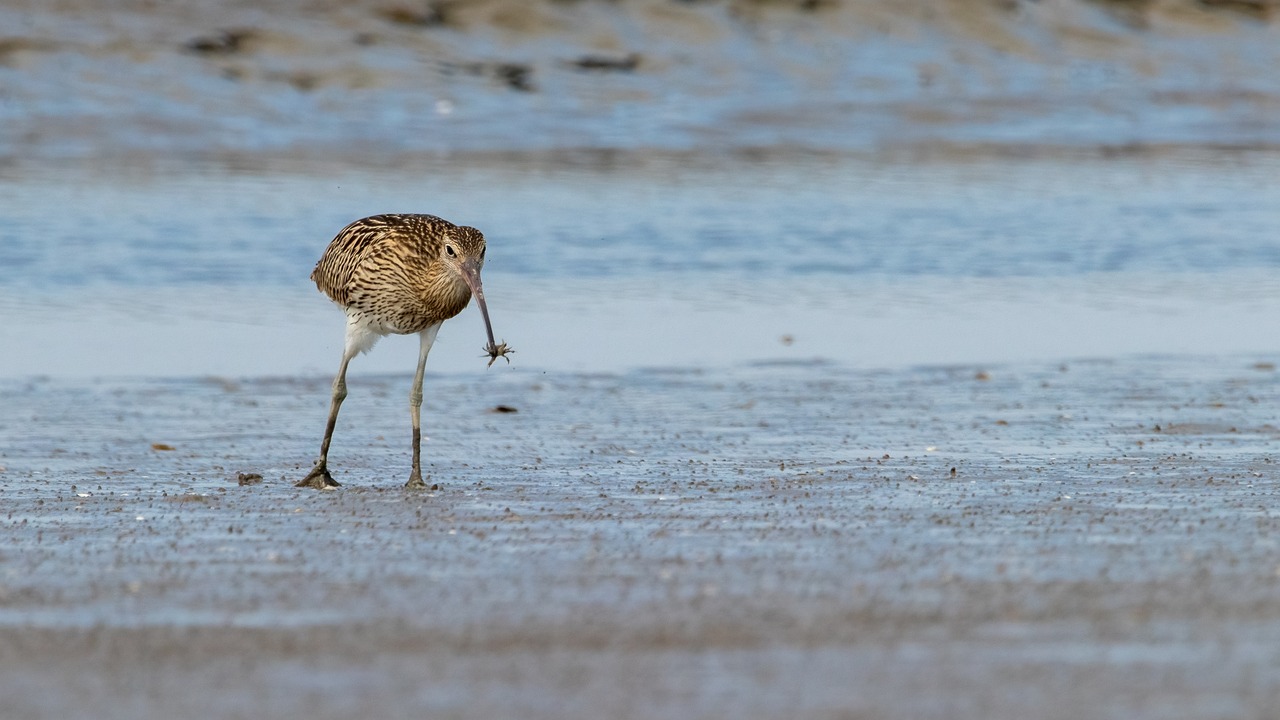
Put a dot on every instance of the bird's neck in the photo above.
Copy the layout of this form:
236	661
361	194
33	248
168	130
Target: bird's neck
446	290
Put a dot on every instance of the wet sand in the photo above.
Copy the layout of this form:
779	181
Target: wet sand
1086	539
374	82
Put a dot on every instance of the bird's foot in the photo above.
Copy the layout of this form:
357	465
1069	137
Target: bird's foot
415	483
319	478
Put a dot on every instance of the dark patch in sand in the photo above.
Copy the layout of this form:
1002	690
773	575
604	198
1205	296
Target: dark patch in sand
223	42
605	63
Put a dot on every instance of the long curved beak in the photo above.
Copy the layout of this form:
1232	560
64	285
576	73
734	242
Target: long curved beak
471	274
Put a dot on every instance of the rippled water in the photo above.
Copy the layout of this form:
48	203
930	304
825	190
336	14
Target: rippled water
618	261
881	183
783	219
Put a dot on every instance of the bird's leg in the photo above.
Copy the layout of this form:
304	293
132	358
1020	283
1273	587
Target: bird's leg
428	337
319	477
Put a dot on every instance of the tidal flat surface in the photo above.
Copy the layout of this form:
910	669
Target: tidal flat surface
1089	538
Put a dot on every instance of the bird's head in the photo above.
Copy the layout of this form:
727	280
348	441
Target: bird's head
463	251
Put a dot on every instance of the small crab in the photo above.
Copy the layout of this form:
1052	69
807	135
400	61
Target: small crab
497	350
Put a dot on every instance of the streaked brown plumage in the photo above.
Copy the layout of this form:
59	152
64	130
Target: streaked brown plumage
398	274
385	267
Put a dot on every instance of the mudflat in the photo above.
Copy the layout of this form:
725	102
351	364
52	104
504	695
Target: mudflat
1091	538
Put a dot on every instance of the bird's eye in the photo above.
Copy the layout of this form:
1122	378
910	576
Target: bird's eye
449	249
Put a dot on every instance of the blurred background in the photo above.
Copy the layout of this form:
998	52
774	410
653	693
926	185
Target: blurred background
662	182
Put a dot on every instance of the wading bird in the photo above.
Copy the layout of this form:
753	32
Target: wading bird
398	274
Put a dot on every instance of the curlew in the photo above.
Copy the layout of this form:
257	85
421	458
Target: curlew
398	274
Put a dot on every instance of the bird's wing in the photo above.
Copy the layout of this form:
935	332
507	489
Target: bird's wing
353	246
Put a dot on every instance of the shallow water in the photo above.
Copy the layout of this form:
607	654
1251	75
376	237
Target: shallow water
658	261
883	185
